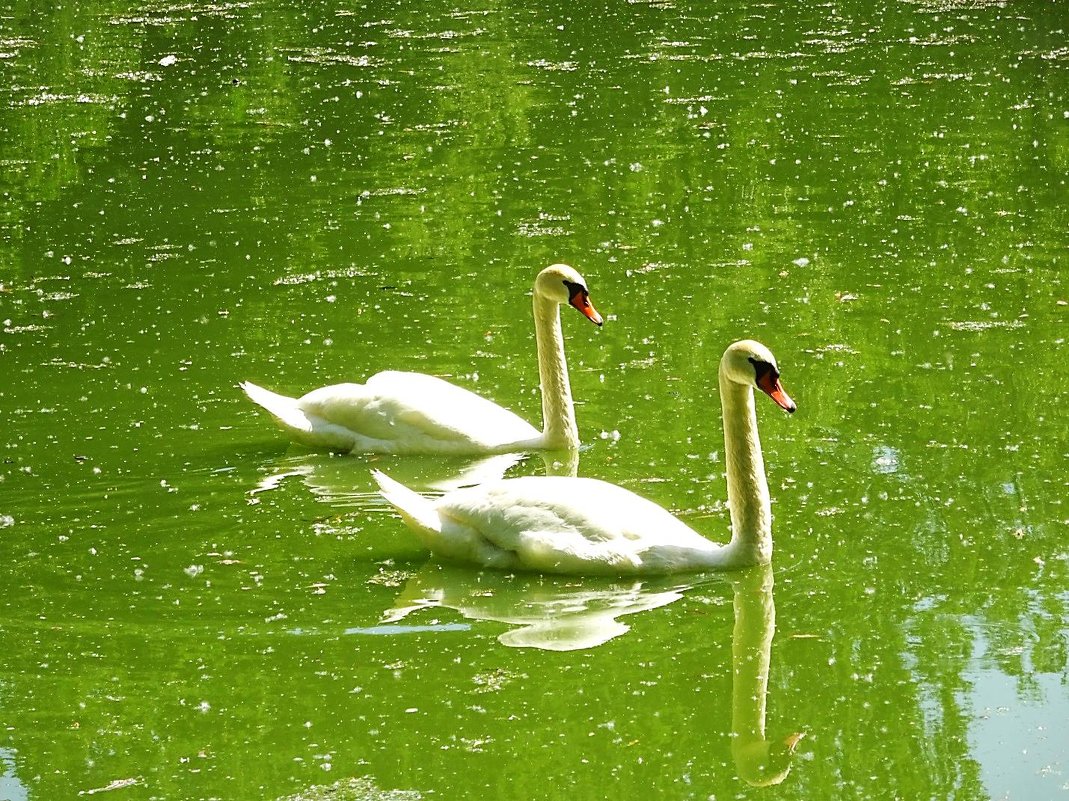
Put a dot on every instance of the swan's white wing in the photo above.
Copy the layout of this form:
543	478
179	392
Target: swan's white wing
564	525
410	411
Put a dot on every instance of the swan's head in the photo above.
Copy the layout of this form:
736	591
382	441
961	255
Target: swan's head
562	284
752	364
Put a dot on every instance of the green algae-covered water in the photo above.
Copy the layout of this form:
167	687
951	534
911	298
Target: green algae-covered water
297	194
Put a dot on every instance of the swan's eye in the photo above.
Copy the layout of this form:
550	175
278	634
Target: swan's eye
575	289
761	369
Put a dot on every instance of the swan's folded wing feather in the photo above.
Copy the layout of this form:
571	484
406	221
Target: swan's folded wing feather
437	406
351	406
562	524
402	407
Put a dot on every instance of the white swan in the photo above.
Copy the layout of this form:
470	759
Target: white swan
398	412
582	525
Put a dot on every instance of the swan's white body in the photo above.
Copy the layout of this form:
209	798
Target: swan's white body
397	412
582	525
400	412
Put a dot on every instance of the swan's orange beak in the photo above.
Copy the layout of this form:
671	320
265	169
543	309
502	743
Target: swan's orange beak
770	385
581	301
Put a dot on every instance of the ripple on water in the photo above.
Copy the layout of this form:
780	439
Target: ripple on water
52	98
12	47
544	226
325	56
353	789
181	12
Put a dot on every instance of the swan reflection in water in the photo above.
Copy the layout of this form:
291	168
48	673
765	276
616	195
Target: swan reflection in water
552	613
759	761
344	480
563	614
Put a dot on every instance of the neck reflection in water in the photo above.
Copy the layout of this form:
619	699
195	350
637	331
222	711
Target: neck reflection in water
555	613
758	760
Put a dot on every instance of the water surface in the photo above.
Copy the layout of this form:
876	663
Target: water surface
299	194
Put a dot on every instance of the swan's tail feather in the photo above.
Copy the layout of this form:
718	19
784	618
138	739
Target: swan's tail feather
284	409
418	512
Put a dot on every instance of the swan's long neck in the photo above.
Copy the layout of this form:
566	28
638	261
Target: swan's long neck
748	499
558	413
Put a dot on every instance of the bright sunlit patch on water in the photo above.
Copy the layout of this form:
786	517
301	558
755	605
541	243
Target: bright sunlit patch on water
885	459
